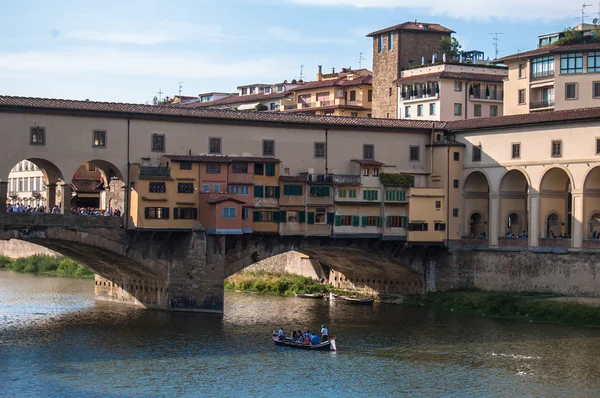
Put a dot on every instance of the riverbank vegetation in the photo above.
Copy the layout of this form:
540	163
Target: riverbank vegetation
280	283
522	305
46	265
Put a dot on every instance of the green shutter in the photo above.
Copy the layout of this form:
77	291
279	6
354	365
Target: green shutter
338	221
301	216
375	195
379	221
324	191
311	218
166	212
283	216
286	190
355	221
388	195
146	212
256	216
330	218
388	221
314	191
270	169
365	221
277	192
365	195
404	222
403	196
259	191
276	216
353	193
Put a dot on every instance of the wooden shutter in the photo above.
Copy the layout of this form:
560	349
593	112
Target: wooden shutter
338	221
276	216
256	216
355	221
283	216
365	221
311	218
277	192
270	169
325	191
259	191
379	221
147	212
330	218
301	216
388	221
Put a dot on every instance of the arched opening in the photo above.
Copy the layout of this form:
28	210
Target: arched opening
594	226
32	186
476	194
477	228
97	189
553	229
514	206
591	204
556	204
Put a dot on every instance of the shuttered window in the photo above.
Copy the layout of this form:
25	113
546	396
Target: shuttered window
395	195
292	190
370	194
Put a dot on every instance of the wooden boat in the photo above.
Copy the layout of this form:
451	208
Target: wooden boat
352	300
328	345
309	296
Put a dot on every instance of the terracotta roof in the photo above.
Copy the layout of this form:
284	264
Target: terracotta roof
292	178
221	199
367	162
526	119
416	26
481	77
552	49
87	186
342	81
72	107
327	108
221	159
236	99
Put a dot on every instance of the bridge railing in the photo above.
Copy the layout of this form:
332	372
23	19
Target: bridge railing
58	220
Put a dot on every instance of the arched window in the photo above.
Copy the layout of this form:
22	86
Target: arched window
513	224
476	224
595	226
553	226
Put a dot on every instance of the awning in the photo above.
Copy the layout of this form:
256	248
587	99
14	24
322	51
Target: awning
248	107
540	85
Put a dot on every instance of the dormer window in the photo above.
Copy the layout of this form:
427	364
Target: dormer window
252	90
244	91
268	90
206	98
280	88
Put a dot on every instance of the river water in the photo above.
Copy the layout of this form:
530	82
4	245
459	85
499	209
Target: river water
55	340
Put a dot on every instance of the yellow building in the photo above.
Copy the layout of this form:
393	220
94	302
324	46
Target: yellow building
426	215
266	215
347	93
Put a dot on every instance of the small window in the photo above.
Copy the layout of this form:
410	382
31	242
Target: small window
556	149
457	109
216	188
365	172
457	85
245	213
454	212
185	187
597	146
368	151
476	154
438	204
390	41
158	142
522	70
516	151
37	136
228	213
414	153
477	110
375	172
493	110
420	110
213	168
353	114
99	139
456	184
570	91
268	148
319	149
91	167
407	111
439	226
341	193
259	169
214	146
292	190
596	90
239	168
380	43
185	213
156	213
271	192
353	95
521	97
456	156
157	187
390	91
370	96
243	190
205	188
432	109
185	165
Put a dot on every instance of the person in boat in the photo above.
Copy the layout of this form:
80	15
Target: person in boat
307	337
324	333
314	339
281	334
295	336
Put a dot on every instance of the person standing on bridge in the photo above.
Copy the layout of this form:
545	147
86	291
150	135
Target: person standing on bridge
324	333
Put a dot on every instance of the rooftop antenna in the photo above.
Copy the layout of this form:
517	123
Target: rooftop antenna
160	93
360	59
180	87
496	42
582	9
302	72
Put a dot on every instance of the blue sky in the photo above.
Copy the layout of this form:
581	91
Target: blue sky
126	51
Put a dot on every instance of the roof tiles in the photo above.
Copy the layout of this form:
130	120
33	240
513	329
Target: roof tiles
221	159
414	26
480	77
552	49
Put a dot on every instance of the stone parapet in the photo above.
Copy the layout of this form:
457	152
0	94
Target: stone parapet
19	220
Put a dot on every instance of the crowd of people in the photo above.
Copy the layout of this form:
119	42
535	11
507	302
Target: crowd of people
81	211
308	338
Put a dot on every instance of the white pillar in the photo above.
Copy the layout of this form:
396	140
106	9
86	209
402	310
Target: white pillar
534	220
493	219
577	212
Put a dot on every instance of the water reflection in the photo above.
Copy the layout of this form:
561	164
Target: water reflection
53	330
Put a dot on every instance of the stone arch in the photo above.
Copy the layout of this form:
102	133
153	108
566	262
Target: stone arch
476	194
98	184
547	182
591	199
514	223
511	172
477	224
34	187
593	225
553	225
513	193
556	185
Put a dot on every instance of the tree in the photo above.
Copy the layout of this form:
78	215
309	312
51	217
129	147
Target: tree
450	46
570	36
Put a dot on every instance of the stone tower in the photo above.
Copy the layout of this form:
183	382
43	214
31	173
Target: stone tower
396	48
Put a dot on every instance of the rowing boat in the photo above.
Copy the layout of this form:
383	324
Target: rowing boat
328	345
309	296
352	300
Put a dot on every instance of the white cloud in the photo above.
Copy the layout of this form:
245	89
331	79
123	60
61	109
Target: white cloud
295	36
465	9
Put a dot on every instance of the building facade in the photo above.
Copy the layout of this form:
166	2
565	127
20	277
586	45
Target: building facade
396	48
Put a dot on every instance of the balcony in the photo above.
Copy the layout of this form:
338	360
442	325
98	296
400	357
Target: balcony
546	74
346	179
542	104
155	172
318	178
494	96
419	96
13	194
320	104
240	178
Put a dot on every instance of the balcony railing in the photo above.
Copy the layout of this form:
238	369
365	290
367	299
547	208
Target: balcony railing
155	171
240	178
542	75
346	179
407	96
498	95
542	104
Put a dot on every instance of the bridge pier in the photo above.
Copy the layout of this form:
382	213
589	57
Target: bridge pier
3	195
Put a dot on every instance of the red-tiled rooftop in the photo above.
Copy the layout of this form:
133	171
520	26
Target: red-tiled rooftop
551	49
343	81
236	99
415	26
570	115
221	159
479	77
86	186
367	162
93	108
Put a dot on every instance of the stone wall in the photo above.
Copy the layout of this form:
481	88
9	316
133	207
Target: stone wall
291	263
15	248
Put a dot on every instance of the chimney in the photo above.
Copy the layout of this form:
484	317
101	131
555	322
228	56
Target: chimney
444	57
332	70
320	73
